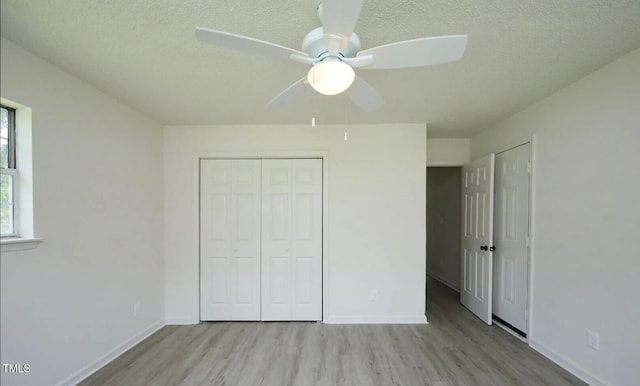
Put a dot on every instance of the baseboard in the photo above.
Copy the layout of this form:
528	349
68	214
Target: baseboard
181	321
421	319
110	355
444	281
566	364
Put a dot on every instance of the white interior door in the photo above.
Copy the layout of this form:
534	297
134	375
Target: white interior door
510	289
477	236
292	239
230	239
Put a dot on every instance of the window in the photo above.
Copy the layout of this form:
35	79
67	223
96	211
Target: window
8	172
16	178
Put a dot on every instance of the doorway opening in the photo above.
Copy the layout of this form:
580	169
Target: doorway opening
489	220
443	225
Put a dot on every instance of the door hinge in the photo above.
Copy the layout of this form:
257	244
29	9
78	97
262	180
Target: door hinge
528	167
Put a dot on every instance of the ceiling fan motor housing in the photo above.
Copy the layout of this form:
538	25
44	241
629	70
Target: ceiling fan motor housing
315	45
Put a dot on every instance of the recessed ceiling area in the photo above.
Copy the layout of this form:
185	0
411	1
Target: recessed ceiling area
145	54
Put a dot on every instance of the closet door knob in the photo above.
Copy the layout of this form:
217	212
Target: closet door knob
484	248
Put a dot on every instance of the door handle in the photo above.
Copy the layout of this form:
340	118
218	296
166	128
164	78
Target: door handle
484	248
492	248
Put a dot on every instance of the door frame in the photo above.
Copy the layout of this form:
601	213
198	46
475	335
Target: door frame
531	140
261	155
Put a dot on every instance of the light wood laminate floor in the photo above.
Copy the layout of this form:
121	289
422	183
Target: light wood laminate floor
455	348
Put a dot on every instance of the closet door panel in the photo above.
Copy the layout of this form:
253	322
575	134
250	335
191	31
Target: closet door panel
306	243
230	239
276	239
292	239
245	234
215	240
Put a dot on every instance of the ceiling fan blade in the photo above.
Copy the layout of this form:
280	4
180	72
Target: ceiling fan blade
417	52
364	95
339	19
244	43
292	92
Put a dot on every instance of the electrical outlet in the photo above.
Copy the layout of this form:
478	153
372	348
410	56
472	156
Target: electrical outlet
374	295
136	309
593	340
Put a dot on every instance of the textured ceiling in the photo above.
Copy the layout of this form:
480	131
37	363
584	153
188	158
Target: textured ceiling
145	54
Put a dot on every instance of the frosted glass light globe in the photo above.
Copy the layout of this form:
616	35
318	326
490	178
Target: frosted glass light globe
331	77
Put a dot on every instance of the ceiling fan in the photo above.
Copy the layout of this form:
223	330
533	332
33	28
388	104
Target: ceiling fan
333	50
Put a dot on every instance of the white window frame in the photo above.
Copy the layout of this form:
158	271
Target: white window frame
12	170
22	173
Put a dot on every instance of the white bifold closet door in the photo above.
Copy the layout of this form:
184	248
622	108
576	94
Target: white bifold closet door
230	239
292	239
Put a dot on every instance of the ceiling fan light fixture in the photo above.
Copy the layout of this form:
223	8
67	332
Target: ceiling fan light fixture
331	77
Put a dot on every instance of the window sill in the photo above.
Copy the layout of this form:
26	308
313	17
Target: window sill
18	244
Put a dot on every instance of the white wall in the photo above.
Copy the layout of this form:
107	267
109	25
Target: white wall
376	225
97	168
448	151
586	215
444	187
